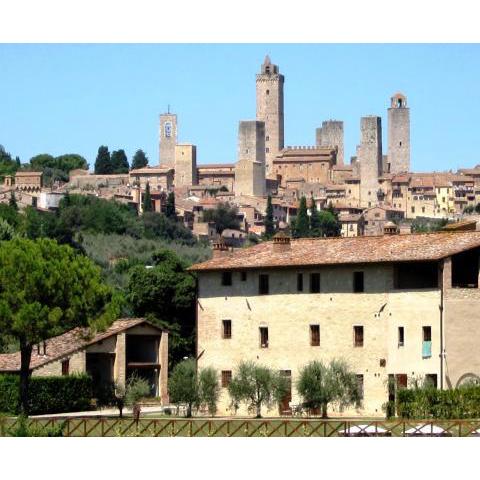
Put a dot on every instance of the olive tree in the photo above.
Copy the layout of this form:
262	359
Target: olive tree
45	290
194	389
256	386
320	384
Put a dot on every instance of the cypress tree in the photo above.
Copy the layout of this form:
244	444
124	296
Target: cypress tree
302	226
170	207
269	225
147	200
315	220
139	160
119	161
103	162
13	201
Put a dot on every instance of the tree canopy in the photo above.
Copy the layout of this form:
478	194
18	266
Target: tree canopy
139	160
256	386
170	210
224	215
165	294
320	384
45	290
103	162
119	161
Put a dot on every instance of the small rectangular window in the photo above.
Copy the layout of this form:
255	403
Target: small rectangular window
300	282
360	387
314	283
315	335
226	279
227	328
358	336
226	378
66	367
243	276
358	286
263	337
263	286
401	336
427	342
431	380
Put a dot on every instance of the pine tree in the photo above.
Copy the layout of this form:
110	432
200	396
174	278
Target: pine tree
119	162
103	163
139	160
315	220
147	200
170	211
302	226
13	201
269	224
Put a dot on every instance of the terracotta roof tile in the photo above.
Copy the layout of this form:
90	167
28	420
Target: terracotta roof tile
331	251
65	344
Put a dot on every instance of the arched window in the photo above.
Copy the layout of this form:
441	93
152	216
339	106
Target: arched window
268	91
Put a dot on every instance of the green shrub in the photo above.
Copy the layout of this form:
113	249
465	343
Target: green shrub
68	393
428	402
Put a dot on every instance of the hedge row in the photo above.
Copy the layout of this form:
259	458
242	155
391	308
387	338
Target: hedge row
463	402
70	393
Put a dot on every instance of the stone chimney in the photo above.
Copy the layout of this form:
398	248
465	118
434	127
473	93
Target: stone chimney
219	247
281	243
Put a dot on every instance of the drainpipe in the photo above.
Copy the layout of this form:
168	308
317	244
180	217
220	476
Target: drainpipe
441	326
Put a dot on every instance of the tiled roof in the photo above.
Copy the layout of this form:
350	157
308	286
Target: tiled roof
215	165
151	170
65	344
331	251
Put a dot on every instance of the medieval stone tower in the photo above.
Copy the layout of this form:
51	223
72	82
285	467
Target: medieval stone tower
185	165
399	134
250	168
270	109
167	135
369	154
331	135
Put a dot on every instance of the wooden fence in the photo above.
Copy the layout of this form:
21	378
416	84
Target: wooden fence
231	427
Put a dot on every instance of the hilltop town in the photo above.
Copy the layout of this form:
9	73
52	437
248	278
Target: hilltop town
373	189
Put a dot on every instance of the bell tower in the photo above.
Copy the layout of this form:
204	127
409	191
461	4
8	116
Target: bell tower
270	109
167	138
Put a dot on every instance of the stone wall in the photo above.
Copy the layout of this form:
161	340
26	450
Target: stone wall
167	135
250	168
288	315
270	110
185	165
399	137
331	135
369	154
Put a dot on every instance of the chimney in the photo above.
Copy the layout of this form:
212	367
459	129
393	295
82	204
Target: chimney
281	243
219	247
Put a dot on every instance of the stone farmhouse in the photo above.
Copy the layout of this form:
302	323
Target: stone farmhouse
395	307
129	345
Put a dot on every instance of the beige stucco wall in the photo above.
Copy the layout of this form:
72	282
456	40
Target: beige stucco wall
288	315
462	333
77	364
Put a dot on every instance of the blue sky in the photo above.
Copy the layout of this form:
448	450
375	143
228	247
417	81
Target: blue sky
72	98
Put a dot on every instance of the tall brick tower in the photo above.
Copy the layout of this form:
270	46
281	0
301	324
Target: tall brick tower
167	135
270	109
399	134
369	154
